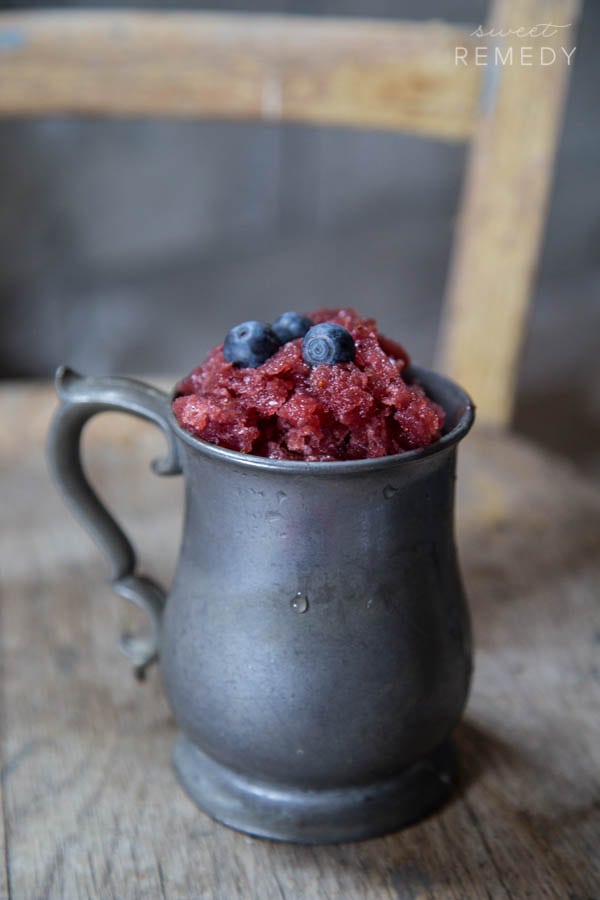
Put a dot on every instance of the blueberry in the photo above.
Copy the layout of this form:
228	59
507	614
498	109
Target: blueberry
250	344
327	343
291	325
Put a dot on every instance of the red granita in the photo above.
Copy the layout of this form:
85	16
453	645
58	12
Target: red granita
286	409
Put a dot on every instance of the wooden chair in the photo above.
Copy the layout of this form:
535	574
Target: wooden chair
89	806
394	75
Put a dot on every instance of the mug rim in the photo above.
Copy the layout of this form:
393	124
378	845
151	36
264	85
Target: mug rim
418	375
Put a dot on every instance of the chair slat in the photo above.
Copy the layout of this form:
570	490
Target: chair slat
363	73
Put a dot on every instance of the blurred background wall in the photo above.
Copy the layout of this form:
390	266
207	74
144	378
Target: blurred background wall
133	246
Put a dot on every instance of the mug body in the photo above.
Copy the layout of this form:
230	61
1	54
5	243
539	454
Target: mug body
315	645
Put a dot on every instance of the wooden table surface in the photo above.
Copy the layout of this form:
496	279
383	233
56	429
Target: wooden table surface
90	805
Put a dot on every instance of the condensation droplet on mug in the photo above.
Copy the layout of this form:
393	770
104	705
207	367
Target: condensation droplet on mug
299	603
390	491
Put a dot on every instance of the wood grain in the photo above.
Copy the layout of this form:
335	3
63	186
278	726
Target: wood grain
91	806
504	204
395	75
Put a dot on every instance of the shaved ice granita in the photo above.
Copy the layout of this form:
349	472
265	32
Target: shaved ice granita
325	386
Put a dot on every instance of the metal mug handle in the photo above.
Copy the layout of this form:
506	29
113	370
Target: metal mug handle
81	398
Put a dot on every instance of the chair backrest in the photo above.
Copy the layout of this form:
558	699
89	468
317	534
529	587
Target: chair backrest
501	91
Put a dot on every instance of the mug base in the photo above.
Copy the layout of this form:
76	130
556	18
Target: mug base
315	816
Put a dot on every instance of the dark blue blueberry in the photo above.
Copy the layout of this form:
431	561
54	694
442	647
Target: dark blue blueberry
327	343
250	344
291	325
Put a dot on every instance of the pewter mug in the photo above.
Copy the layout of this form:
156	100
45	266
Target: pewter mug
315	644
